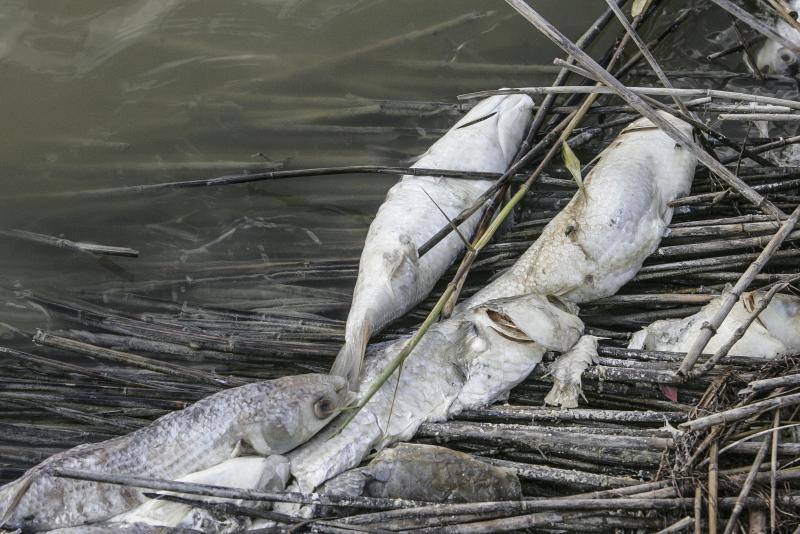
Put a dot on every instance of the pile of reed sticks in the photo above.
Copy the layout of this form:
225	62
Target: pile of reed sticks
108	359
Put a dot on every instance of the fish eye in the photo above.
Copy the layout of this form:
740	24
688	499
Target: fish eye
793	14
323	408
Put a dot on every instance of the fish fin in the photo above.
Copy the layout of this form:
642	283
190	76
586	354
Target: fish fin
567	371
351	356
639	339
406	255
507	126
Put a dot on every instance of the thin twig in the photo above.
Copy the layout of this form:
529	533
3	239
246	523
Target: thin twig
746	487
773	470
678	526
713	491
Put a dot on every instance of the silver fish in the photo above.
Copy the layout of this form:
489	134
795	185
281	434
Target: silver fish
470	360
246	472
392	279
427	473
775	333
272	417
598	242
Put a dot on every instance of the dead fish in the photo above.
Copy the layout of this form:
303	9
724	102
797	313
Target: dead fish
427	473
598	241
392	279
774	57
247	472
272	417
775	333
588	251
470	360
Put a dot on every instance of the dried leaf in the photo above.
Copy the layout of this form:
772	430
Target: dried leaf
638	7
573	165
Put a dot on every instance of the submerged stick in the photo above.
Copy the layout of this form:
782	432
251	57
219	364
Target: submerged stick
64	366
150	364
98	250
732	49
731	297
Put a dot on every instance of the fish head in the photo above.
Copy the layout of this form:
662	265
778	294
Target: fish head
486	139
775	58
503	340
310	401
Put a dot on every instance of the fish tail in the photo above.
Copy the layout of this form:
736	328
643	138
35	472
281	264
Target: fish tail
351	356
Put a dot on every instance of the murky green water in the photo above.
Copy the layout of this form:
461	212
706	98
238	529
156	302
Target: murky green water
102	94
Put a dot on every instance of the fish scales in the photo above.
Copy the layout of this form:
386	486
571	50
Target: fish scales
272	417
392	278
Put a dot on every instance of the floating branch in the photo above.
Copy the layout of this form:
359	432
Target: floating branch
98	250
